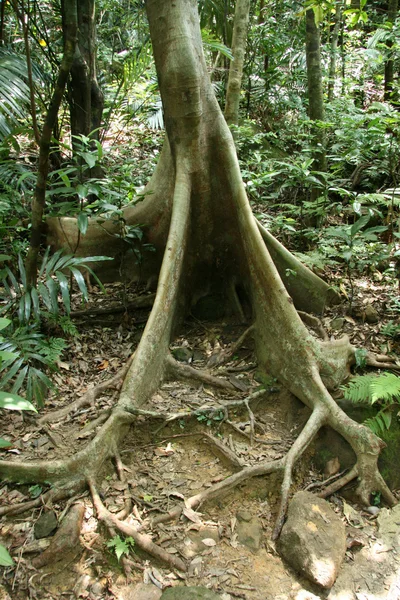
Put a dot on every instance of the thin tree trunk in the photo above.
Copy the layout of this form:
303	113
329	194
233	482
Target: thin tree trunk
315	93
2	17
239	39
85	96
389	66
334	45
38	202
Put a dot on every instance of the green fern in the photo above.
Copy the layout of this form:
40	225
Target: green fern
383	389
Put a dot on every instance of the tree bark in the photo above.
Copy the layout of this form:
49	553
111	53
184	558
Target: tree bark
2	20
389	65
38	202
333	49
239	39
84	94
315	93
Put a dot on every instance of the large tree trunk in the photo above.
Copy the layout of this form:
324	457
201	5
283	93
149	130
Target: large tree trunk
201	215
239	40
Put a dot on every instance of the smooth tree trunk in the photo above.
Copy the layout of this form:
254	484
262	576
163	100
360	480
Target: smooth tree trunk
333	50
200	221
315	95
239	41
389	65
38	202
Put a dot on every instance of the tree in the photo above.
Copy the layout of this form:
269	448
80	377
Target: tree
199	214
333	49
315	91
389	75
38	202
84	94
239	38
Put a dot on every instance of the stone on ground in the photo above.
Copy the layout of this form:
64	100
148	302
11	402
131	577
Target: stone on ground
313	539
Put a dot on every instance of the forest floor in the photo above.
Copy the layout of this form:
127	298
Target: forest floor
226	543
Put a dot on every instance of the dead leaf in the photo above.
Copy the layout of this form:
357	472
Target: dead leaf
209	542
191	515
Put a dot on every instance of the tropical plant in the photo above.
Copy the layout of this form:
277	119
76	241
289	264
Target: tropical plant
383	390
28	302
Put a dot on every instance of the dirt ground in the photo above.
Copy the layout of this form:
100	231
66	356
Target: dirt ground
226	542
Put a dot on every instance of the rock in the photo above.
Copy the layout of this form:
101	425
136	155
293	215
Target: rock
337	324
249	530
373	510
189	593
371	314
313	539
45	525
332	467
182	354
142	591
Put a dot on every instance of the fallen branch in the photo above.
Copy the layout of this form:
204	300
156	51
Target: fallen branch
139	302
185	372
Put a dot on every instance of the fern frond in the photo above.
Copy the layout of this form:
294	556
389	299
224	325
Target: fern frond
379	423
359	389
386	387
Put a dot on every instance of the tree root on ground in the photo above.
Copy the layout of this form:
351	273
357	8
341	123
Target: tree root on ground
143	541
89	398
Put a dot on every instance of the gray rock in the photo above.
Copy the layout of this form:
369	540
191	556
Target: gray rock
313	539
337	324
45	525
371	314
144	591
249	530
182	354
189	593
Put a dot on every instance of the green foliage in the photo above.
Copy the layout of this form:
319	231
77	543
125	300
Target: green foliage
28	303
121	547
5	558
383	390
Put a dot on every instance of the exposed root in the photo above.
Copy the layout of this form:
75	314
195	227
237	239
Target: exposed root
185	372
315	324
226	452
125	511
339	483
380	361
89	398
143	541
222	487
46	499
308	433
66	539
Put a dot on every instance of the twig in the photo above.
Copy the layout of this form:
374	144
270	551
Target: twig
339	483
139	302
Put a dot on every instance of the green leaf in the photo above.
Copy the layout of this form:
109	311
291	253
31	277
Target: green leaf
53	290
7	355
64	287
89	158
83	221
14	402
80	281
359	225
4	323
5	443
5	558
